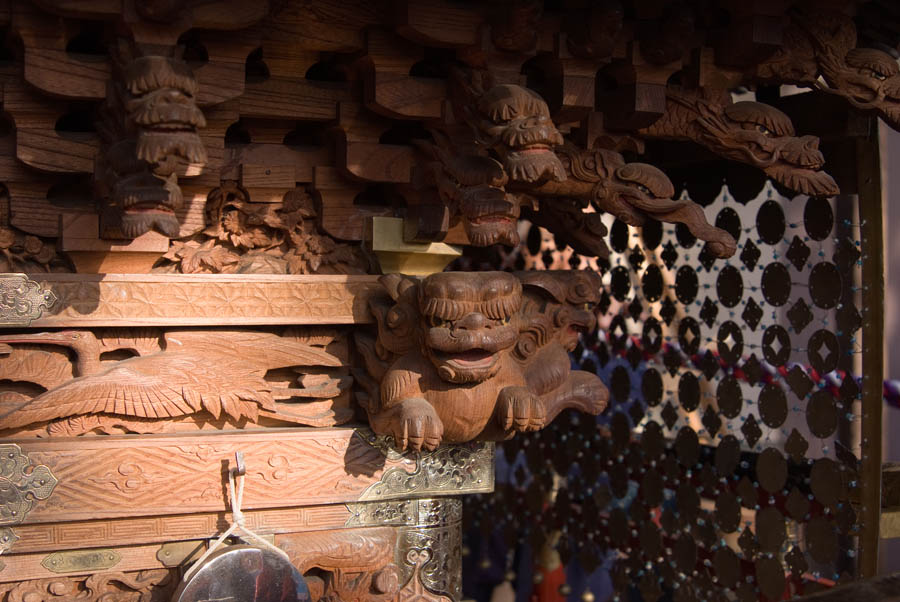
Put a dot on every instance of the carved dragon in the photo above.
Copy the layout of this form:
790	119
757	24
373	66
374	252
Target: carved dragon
442	367
630	191
552	180
820	52
749	132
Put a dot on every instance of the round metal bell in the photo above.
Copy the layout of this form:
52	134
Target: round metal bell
244	574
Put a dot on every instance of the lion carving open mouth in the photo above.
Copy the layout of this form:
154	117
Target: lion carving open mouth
149	126
514	122
462	356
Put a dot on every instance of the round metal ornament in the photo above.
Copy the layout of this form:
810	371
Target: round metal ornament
244	573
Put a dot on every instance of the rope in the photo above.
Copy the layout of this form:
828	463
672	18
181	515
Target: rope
235	475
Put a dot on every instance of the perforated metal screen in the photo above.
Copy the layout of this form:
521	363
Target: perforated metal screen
728	463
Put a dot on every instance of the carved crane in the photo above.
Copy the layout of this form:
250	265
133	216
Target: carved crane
195	372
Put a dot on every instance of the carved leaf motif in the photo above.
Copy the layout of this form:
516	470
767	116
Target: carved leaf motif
204	258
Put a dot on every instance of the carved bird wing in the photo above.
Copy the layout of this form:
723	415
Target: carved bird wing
261	349
163	385
45	367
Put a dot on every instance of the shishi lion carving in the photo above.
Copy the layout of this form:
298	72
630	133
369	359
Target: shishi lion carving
455	355
514	122
149	126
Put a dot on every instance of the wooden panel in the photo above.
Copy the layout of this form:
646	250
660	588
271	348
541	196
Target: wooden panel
162	529
28	566
205	299
122	476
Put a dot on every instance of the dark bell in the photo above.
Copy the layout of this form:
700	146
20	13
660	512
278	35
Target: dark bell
244	574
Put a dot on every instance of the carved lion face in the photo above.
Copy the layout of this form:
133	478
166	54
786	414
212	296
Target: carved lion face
161	104
134	197
558	306
149	128
490	215
515	123
870	80
761	135
578	315
472	187
468	322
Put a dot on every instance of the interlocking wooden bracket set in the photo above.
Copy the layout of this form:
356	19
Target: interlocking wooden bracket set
198	198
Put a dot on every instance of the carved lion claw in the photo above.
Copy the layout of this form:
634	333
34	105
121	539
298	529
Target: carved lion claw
519	409
417	426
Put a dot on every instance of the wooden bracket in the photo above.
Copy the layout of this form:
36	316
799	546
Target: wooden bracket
384	236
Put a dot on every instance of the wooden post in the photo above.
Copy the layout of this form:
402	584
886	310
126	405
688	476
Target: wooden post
870	213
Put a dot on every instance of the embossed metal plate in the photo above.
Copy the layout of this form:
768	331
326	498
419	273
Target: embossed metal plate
79	561
22	300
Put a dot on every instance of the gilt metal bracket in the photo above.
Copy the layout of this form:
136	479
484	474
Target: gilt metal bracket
22	300
19	490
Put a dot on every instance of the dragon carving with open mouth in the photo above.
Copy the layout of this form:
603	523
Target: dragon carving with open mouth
521	162
748	132
632	192
148	129
454	352
820	52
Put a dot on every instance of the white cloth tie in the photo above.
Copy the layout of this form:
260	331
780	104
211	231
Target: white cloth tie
236	488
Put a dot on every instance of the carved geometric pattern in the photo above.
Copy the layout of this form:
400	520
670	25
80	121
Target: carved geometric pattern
200	300
22	483
163	529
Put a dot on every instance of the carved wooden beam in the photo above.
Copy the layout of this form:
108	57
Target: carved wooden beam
389	86
631	91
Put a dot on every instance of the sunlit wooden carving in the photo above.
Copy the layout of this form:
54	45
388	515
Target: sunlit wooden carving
443	368
632	192
173	374
821	41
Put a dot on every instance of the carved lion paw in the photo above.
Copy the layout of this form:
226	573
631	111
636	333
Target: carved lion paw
417	426
519	409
